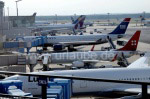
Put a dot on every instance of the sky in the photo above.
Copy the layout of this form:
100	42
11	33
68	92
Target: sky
71	7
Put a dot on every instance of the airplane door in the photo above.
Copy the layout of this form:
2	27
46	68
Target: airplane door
83	84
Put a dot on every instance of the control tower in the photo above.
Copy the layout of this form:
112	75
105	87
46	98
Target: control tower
1	11
1	8
2	37
13	26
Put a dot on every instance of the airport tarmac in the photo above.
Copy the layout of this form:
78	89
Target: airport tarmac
143	45
145	31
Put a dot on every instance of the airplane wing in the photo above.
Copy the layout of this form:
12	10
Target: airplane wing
65	64
77	42
90	61
65	28
130	89
84	61
54	30
80	42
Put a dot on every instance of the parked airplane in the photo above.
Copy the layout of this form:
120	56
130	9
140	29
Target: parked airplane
82	59
85	23
61	42
133	72
52	29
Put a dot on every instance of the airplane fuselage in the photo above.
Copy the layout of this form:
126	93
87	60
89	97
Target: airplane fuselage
75	40
79	86
57	26
70	57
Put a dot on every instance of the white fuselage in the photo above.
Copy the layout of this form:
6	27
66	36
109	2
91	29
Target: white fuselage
57	26
79	86
70	57
75	39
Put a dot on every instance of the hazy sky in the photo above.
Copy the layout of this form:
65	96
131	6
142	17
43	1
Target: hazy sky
70	7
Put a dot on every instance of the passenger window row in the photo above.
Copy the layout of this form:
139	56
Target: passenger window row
131	79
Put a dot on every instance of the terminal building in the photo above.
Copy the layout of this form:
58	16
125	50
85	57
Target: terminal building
10	28
13	26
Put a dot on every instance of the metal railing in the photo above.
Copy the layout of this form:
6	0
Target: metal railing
143	84
8	96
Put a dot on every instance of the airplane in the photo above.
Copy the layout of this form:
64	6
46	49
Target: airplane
137	71
90	58
52	29
59	43
85	23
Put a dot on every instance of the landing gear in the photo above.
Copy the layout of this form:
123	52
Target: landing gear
45	67
123	62
44	48
71	48
88	66
31	66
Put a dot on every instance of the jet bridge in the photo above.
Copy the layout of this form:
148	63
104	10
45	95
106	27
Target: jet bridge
34	42
20	44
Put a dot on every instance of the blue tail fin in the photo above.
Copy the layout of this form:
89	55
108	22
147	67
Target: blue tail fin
122	27
79	22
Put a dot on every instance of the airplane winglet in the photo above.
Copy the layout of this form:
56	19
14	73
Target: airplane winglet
132	43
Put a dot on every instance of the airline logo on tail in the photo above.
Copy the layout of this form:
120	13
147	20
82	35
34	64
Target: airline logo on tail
122	27
132	43
79	22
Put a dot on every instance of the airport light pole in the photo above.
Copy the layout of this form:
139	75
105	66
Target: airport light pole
8	18
56	18
17	6
75	16
144	14
108	18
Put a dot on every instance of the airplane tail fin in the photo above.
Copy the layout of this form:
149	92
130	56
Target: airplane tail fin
132	43
79	22
122	27
141	62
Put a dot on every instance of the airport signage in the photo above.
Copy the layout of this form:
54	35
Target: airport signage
42	81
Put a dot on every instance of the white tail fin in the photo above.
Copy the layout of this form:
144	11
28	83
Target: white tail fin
141	62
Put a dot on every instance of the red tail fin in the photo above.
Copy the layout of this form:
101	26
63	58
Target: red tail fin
132	43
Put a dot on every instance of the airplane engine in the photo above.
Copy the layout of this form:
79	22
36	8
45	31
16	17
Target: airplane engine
78	64
58	47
